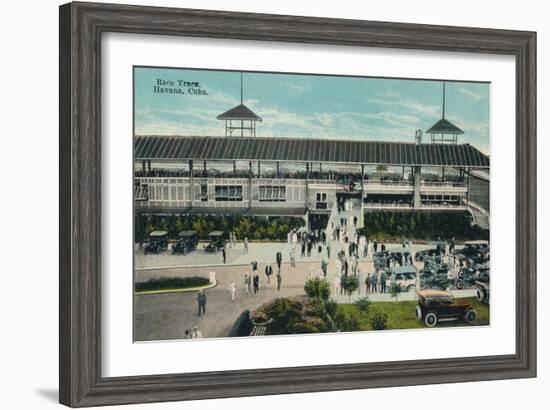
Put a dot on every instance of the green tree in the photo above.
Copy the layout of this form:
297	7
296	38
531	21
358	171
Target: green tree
350	285
317	288
395	289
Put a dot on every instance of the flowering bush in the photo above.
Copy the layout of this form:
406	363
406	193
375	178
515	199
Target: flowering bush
258	316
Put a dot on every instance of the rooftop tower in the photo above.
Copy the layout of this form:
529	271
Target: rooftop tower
240	120
444	131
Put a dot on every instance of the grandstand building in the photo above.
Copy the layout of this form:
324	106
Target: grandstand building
239	173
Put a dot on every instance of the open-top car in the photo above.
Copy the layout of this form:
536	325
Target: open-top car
434	278
158	242
436	250
436	306
476	251
405	276
216	241
187	241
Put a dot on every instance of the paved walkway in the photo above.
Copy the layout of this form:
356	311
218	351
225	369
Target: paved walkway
166	316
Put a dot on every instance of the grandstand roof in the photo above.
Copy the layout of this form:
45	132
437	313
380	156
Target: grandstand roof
311	150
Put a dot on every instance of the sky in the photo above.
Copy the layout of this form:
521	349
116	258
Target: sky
308	106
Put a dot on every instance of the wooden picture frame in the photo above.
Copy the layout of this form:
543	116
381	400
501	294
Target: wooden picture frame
81	27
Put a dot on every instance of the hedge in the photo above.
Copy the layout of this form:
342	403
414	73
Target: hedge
382	225
242	326
171	283
252	227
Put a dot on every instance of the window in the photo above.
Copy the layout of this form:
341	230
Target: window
272	193
228	192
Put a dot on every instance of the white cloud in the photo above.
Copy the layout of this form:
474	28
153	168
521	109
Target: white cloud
470	93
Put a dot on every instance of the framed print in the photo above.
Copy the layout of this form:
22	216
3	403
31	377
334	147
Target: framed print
257	204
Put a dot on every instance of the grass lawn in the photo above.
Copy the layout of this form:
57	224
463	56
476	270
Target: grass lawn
401	315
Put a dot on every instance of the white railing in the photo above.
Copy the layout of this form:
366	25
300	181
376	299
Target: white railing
388	183
443	184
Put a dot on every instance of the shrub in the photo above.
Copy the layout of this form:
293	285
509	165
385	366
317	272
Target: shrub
242	326
282	311
271	228
302	327
317	288
379	320
171	283
330	307
346	323
363	305
386	225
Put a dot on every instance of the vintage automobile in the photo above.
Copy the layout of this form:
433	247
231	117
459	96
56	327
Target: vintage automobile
483	291
434	278
216	241
187	241
437	249
405	276
475	251
158	242
436	306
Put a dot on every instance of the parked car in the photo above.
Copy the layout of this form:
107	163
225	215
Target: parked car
405	276
216	241
187	241
436	305
158	242
437	249
434	278
475	251
483	291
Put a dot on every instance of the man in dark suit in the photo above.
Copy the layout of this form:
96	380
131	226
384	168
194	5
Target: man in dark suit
256	283
279	259
268	272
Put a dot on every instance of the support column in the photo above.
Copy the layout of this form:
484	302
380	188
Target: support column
417	174
362	215
143	169
443	173
362	182
191	184
204	174
259	170
234	168
307	185
149	165
250	184
468	186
